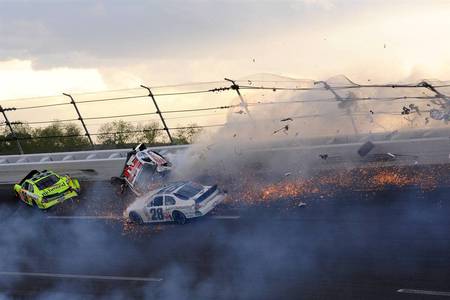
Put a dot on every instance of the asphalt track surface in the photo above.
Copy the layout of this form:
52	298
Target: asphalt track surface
390	244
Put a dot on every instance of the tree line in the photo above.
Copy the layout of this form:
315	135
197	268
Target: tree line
60	137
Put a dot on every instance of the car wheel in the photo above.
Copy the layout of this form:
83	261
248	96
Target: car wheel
136	218
179	217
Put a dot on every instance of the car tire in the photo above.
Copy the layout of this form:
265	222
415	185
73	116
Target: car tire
179	217
135	218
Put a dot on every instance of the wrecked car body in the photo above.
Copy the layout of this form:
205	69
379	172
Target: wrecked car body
142	168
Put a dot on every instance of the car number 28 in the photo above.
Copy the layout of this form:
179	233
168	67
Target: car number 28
156	214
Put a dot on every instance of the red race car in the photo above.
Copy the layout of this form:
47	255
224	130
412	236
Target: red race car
142	168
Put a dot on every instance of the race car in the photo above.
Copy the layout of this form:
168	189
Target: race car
142	167
176	201
46	188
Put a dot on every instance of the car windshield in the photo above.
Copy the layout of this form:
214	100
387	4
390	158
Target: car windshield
189	190
47	181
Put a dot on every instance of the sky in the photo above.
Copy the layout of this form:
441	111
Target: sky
48	47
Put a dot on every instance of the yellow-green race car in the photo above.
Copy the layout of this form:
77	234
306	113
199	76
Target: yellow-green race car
46	188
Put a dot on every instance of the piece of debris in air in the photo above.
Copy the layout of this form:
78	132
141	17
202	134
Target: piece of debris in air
406	111
287	174
240	112
415	108
286	119
234	135
427	120
323	156
436	114
365	148
285	129
391	155
301	204
371	111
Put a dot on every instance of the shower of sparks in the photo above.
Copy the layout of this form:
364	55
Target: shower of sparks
248	190
328	184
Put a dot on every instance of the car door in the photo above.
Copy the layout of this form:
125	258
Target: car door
169	206
26	193
154	209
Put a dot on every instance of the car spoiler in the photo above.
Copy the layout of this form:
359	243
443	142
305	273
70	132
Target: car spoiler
206	194
29	175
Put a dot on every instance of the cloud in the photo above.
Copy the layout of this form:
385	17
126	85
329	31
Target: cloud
150	42
19	79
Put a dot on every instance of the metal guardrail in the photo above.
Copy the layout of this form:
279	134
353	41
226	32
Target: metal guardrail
92	165
415	147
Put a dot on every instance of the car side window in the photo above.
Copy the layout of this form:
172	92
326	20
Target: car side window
158	201
169	200
26	186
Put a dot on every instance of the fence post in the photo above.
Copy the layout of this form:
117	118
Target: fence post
150	94
3	110
339	99
434	90
72	101
235	87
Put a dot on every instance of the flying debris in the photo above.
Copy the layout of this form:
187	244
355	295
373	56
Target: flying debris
415	108
285	129
365	148
323	156
427	120
301	204
371	111
240	112
286	119
234	135
287	174
406	111
436	114
391	155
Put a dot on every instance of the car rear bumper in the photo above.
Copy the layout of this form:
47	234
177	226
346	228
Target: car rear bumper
65	196
210	204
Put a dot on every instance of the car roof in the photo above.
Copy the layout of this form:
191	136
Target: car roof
40	175
171	187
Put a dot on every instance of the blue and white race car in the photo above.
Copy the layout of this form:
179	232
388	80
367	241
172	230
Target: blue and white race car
176	202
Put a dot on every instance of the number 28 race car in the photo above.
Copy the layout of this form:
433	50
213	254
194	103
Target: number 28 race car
141	168
176	201
46	188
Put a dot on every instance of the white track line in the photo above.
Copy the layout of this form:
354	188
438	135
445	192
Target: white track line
118	218
80	276
423	292
225	217
85	217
